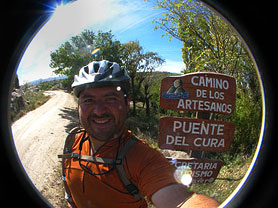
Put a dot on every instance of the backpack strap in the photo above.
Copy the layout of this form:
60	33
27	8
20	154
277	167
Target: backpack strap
118	162
66	151
69	142
89	158
129	186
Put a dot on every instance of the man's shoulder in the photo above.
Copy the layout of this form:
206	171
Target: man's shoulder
143	152
139	146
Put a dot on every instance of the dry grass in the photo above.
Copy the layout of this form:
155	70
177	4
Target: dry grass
55	192
228	179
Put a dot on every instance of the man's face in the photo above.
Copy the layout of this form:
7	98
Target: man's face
102	112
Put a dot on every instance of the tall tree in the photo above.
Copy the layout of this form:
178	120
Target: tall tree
209	43
75	53
151	62
139	66
131	56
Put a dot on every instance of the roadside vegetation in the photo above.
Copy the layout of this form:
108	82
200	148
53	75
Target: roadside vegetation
235	165
209	44
28	97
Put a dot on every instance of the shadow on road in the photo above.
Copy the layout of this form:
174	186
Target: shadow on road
70	114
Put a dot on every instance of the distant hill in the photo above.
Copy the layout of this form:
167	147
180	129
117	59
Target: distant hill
38	81
47	80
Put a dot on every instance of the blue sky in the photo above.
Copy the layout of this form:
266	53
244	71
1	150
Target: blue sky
128	19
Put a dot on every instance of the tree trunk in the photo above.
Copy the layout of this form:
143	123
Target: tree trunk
147	101
199	154
133	96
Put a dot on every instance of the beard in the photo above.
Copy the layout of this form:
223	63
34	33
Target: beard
102	128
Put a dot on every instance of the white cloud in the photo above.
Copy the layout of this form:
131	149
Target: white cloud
115	15
71	19
66	21
172	66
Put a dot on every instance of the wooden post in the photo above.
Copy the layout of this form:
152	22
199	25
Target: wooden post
200	154
204	93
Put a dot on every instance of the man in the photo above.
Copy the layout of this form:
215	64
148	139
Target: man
103	104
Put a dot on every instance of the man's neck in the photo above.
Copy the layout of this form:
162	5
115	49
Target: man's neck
96	144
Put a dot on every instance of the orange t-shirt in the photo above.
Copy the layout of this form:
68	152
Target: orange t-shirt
148	169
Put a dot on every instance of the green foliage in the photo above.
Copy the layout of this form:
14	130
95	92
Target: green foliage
140	66
210	44
46	86
75	53
247	118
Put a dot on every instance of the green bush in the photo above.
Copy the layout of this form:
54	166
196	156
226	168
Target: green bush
247	118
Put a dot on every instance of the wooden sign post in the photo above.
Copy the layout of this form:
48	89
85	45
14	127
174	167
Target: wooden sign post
204	92
195	134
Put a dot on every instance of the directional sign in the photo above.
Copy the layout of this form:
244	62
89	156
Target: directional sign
202	91
195	134
204	170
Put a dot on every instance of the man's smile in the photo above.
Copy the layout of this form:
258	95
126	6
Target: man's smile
101	121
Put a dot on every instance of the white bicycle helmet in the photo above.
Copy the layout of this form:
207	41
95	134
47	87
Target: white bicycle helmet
100	74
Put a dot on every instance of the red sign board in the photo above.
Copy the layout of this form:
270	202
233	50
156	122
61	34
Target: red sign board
202	91
195	134
204	170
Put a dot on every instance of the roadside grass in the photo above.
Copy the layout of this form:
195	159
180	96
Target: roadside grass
34	96
54	192
33	100
227	180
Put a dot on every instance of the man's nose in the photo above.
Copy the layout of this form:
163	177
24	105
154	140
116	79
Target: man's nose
99	108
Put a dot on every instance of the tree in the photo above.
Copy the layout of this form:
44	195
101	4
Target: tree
209	43
150	63
75	53
131	56
139	66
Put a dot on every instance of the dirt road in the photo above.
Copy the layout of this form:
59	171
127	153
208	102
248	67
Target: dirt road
39	136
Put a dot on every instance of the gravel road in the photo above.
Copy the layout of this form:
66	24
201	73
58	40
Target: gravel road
39	136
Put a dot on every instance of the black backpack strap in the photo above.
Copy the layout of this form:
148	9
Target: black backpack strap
70	139
68	145
129	186
66	152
